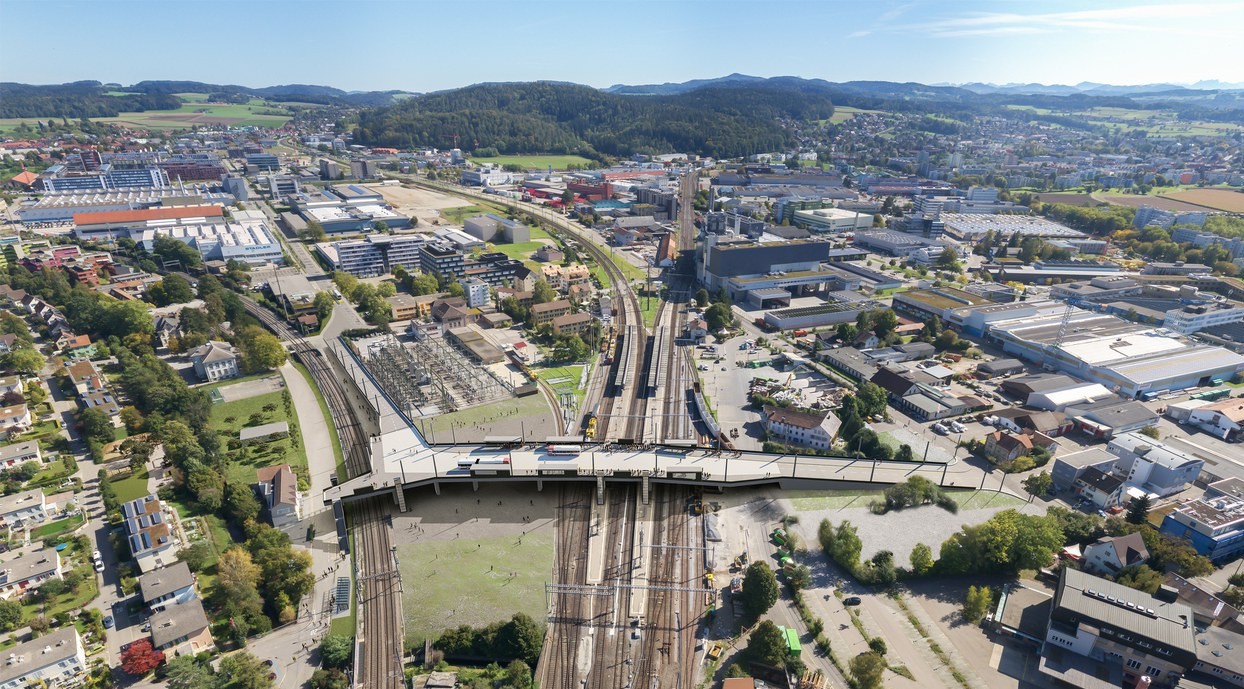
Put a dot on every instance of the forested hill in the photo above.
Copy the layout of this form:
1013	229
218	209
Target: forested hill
75	101
543	117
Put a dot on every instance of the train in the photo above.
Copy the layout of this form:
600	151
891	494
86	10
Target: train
563	450
589	424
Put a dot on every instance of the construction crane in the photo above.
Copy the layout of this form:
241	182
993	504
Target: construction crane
1050	354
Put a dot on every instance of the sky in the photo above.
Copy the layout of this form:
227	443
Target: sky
425	45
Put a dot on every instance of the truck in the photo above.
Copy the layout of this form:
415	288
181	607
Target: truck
779	536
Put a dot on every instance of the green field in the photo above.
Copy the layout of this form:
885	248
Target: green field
468	581
843	113
131	487
564	380
190	114
455	216
536	162
520	250
242	469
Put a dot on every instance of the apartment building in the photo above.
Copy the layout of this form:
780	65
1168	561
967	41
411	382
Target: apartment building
806	429
377	254
57	659
28	571
545	313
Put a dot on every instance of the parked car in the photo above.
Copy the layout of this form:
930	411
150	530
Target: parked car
108	621
97	555
940	429
851	600
957	427
99	565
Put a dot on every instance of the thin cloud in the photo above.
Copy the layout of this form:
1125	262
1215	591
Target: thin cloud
1166	18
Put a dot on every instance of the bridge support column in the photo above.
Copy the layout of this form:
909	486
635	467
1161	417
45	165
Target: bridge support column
645	489
436	486
600	490
475	486
540	485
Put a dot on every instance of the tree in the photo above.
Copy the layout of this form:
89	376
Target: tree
10	614
1141	578
701	298
542	293
846	332
315	231
186	672
905	453
977	603
718	316
520	638
324	304
140	658
882	567
921	560
1038	484
244	671
177	290
329	679
25	361
767	645
172	250
261	350
949	260
424	284
96	425
867	670
196	555
872	399
884	322
1138	510
336	651
518	675
241	503
238	579
760	589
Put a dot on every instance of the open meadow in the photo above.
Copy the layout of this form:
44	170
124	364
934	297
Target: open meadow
536	162
1228	200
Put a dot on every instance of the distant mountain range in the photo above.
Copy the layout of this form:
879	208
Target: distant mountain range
1096	89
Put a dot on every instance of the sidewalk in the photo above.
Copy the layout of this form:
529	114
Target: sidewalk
316	438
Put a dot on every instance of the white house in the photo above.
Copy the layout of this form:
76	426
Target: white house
56	659
215	361
279	488
1112	554
1224	419
20	453
16	417
807	429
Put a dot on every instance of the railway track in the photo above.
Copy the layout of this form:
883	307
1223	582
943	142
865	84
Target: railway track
558	667
380	646
667	651
611	647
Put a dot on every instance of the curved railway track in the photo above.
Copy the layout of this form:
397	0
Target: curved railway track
379	647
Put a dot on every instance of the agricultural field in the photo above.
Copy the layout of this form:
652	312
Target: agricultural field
536	162
1069	199
190	114
843	113
1227	200
1136	201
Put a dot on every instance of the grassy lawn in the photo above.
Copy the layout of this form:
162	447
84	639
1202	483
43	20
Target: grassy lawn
338	456
648	306
445	569
132	487
520	250
243	463
630	270
232	381
456	216
536	162
56	528
87	591
564	379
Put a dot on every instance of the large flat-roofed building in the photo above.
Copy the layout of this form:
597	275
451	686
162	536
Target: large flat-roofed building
1102	635
1128	359
1154	466
441	259
924	304
377	254
1213	526
62	206
897	243
972	227
249	241
725	260
487	227
1050	272
89	226
105	179
833	220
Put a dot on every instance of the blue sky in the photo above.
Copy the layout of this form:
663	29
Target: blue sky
420	45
